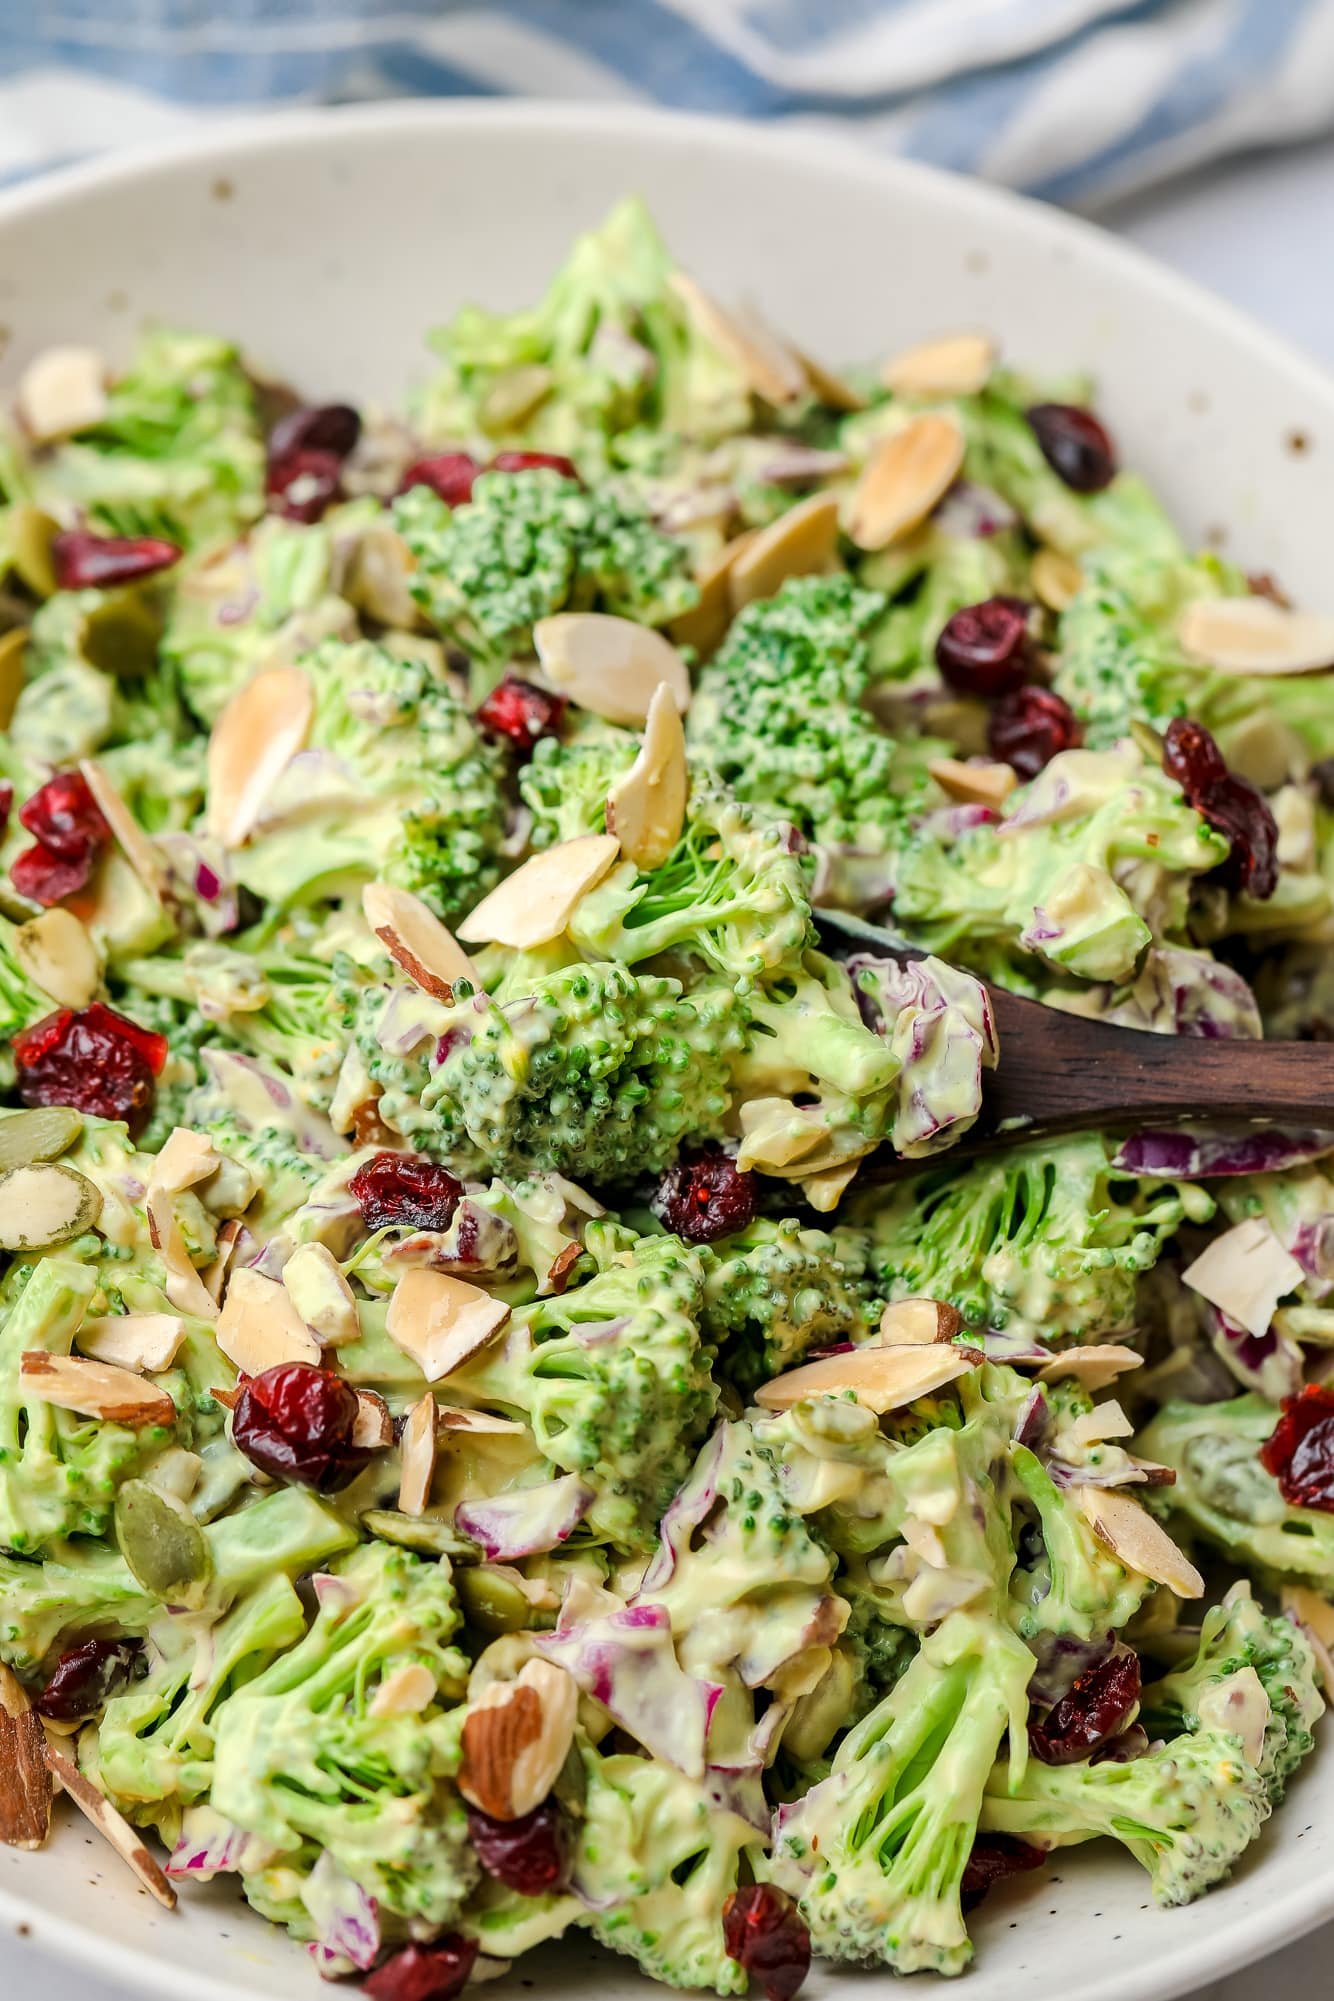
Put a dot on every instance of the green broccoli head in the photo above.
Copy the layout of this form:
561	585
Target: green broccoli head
566	782
1068	1583
777	1288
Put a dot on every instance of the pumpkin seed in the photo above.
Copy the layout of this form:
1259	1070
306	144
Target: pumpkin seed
121	636
31	534
163	1545
42	1134
491	1602
13	647
426	1534
45	1204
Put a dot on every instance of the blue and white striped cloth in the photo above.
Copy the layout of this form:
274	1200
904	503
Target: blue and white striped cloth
1072	99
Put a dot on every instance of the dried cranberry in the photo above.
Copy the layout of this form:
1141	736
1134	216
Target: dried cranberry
1028	728
296	1422
521	713
47	878
6	803
303	484
983	649
95	1060
65	817
99	562
450	474
530	1854
85	1677
1191	759
1300	1451
403	1188
764	1933
706	1198
425	1972
1075	445
1231	805
321	427
994	1857
534	462
1095	1709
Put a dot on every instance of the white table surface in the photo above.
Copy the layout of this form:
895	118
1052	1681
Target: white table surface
1261	232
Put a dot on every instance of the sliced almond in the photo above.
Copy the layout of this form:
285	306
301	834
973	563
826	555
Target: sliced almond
184	1288
1136	1539
405	1691
478	1423
826	1189
314	1282
1315	1616
1105	1420
13	655
980	783
646	808
139	851
61	391
1093	1367
57	953
418	1457
609	666
25	1778
1253	635
440	1321
913	1322
907	474
536	903
830	389
148	1342
94	1389
46	1204
882	1378
953	365
255	738
259	1327
1244	1273
705	625
187	1158
769	365
213	1277
1057	579
417	941
373	1427
1238	1705
126	1840
800	543
516	1736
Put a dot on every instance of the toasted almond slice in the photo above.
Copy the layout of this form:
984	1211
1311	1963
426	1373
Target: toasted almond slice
373	1429
800	543
705	625
405	1691
909	1322
769	365
314	1282
1056	578
418	1457
1315	1616
57	952
981	783
259	1327
25	1777
62	390
139	851
536	903
826	1189
478	1423
125	1839
1253	635
953	365
45	1204
516	1736
144	1341
1093	1366
609	666
184	1287
416	940
186	1158
1244	1273
1238	1705
214	1276
830	389
440	1320
1136	1540
13	653
253	741
646	808
1105	1420
882	1378
907	474
94	1389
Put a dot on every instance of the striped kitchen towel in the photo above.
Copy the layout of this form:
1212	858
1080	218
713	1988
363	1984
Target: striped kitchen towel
1072	99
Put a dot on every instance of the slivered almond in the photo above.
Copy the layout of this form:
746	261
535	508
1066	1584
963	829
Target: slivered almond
771	368
976	784
139	851
58	954
647	807
1253	635
405	1691
909	1322
907	474
830	389
418	1457
536	903
416	940
800	543
62	390
25	1779
1244	1273
125	1839
373	1427
516	1736
825	1190
705	625
94	1389
609	666
882	1378
440	1320
253	741
1056	578
184	1288
259	1327
1093	1367
314	1282
952	365
144	1341
1136	1539
187	1158
13	654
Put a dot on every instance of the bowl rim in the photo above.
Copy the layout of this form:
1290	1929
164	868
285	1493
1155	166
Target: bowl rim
226	142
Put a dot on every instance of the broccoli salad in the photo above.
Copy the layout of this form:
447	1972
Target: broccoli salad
514	1420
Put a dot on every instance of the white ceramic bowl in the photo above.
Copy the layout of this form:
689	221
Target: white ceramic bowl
329	242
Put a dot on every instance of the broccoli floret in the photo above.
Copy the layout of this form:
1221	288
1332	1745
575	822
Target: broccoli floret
776	1289
566	782
533	543
94	678
1067	1583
